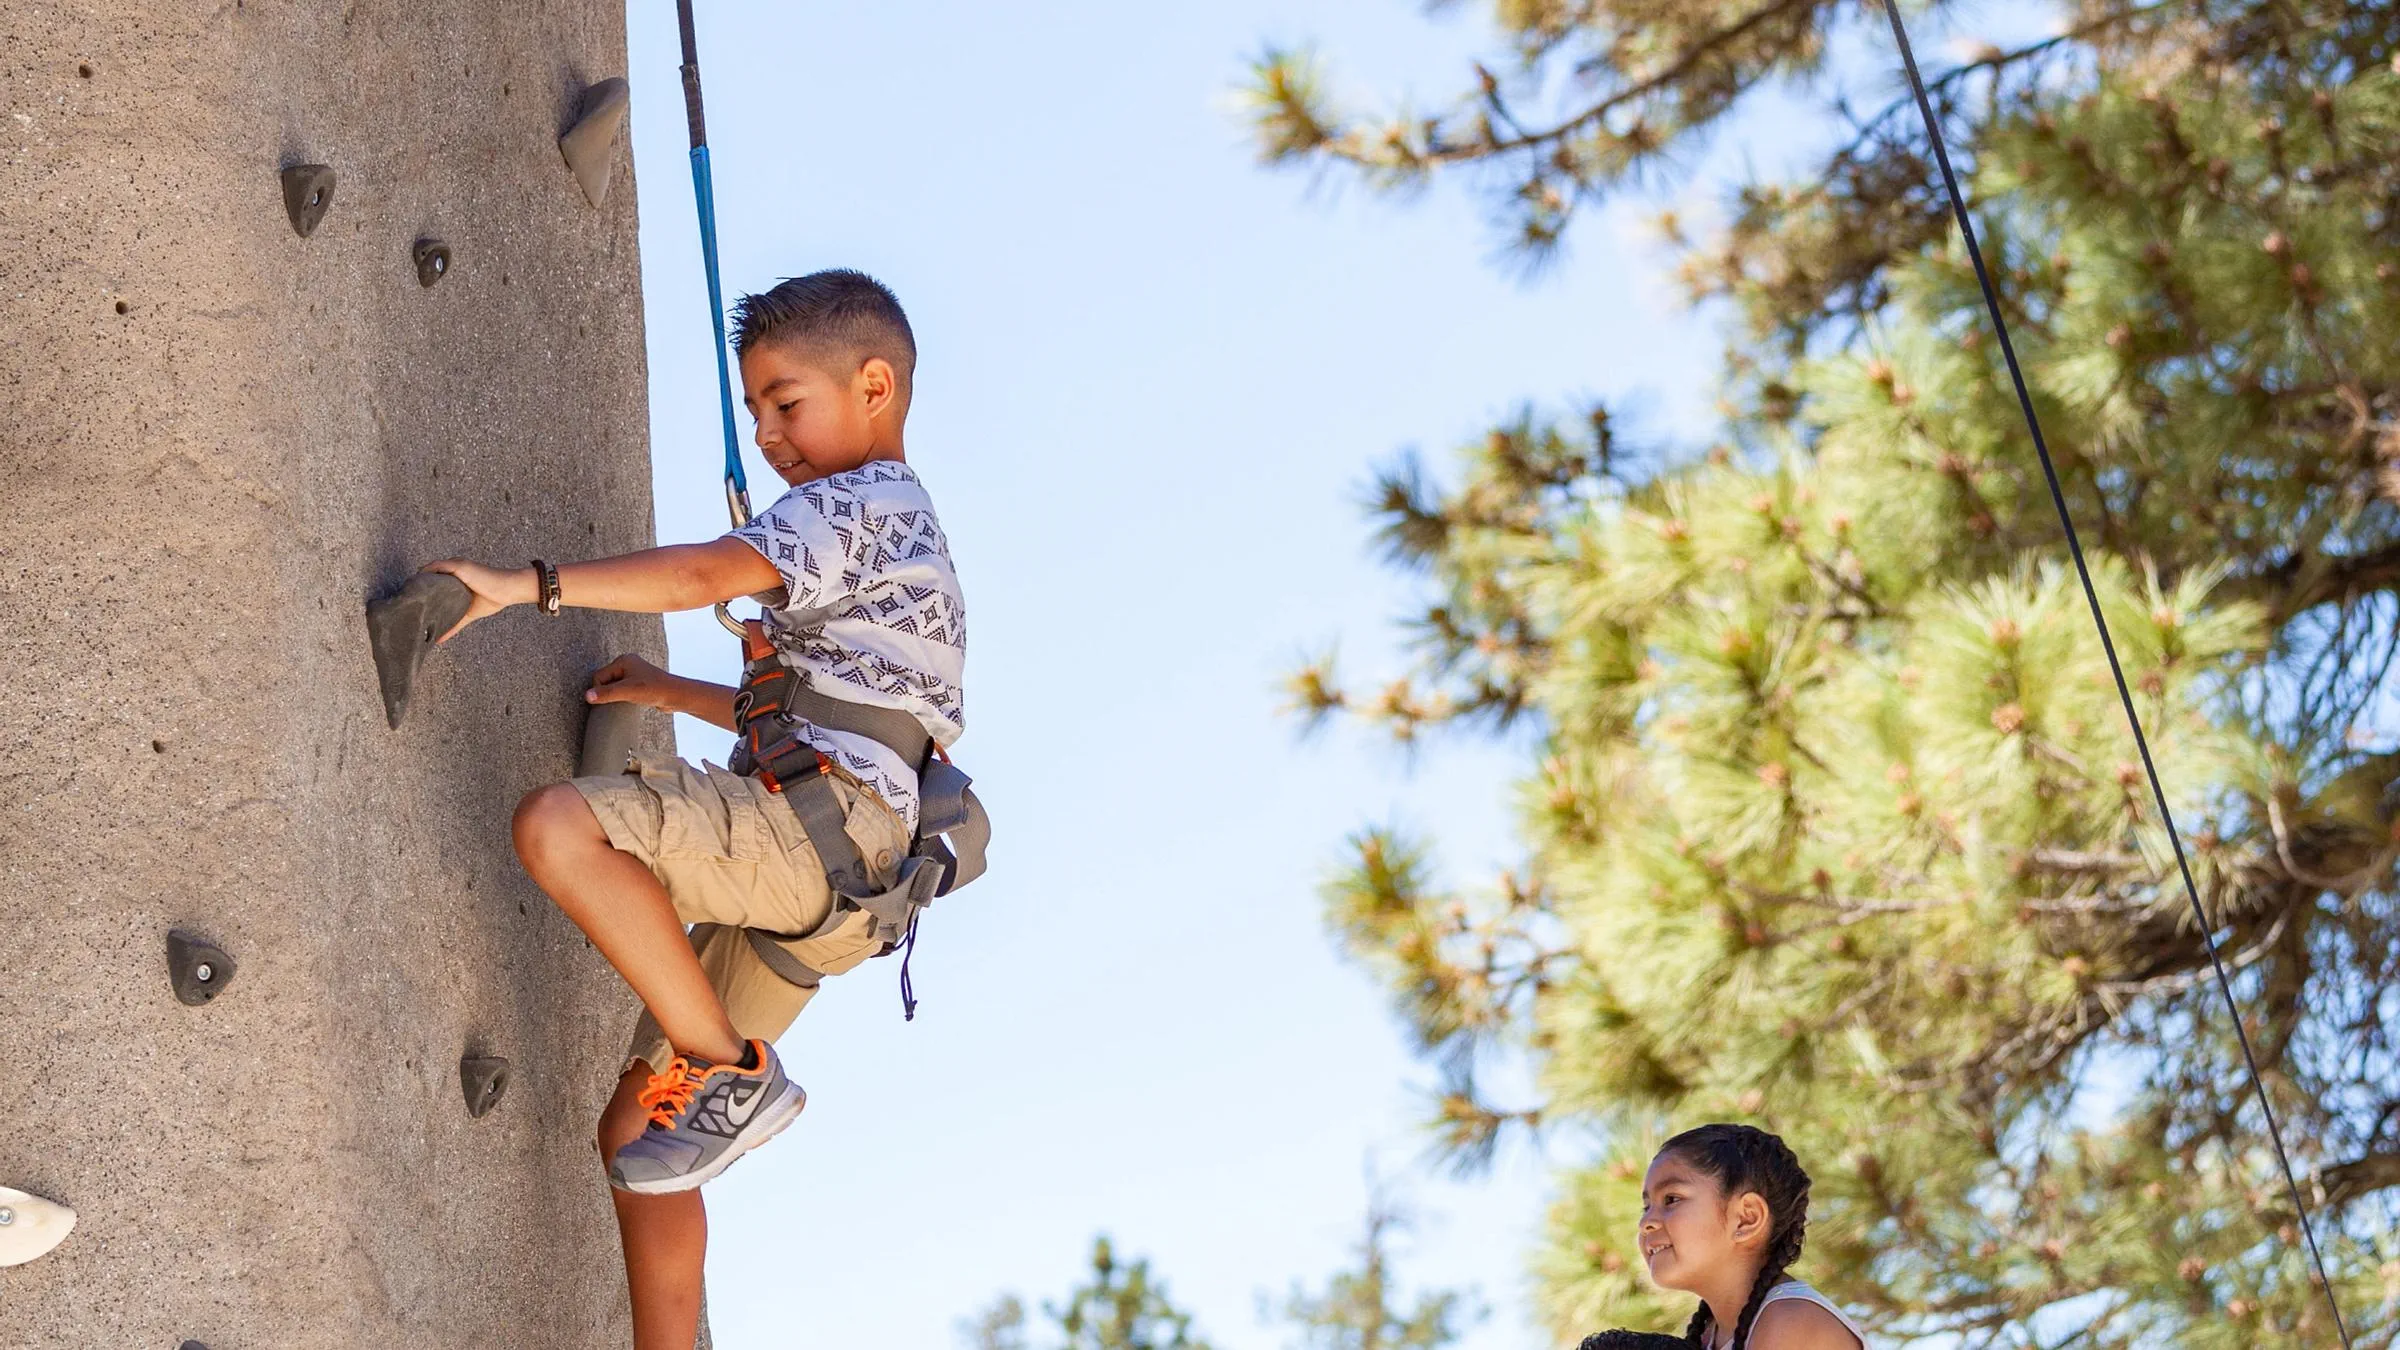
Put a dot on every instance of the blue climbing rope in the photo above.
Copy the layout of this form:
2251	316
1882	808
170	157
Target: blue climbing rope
737	483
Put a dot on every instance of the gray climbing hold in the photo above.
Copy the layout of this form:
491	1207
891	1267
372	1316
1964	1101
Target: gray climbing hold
401	629
307	193
30	1227
433	261
191	1345
609	730
483	1078
198	968
590	145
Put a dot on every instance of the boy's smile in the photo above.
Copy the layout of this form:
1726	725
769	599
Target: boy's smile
811	422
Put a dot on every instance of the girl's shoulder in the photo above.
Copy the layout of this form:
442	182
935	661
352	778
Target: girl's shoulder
1826	1325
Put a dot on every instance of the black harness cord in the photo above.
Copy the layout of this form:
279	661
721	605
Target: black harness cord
2058	498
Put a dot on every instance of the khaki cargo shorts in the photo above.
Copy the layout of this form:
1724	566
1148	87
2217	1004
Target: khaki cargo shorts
732	856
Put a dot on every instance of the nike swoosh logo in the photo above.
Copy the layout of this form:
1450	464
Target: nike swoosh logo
739	1107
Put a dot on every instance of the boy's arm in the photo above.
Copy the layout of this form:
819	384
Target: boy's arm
630	679
653	581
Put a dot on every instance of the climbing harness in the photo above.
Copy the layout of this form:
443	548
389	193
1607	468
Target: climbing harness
952	833
2158	793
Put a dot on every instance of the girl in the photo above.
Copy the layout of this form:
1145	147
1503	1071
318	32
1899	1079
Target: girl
1724	1208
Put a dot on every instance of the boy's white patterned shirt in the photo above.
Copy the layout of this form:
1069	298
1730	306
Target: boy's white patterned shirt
864	548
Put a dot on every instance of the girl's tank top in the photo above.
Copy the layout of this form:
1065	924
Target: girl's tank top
1795	1290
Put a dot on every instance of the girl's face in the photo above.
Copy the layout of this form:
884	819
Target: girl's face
1691	1234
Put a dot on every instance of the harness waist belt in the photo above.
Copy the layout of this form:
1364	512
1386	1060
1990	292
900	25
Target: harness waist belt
902	733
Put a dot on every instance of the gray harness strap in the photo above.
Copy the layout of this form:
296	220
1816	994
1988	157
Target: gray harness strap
778	958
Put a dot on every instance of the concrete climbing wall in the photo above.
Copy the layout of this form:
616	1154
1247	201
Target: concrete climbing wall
217	440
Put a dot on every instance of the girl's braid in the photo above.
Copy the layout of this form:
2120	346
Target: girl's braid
1743	1158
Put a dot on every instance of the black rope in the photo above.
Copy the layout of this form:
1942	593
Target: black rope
2058	498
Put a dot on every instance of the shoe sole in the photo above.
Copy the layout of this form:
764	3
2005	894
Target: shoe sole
776	1118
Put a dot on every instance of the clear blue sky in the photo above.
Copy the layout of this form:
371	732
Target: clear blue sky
1154	379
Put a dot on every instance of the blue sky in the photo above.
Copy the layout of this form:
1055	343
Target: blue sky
1154	379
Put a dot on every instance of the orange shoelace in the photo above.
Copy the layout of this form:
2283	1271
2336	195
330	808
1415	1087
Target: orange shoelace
671	1090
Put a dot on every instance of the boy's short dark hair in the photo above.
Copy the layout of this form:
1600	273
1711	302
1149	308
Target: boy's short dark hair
849	313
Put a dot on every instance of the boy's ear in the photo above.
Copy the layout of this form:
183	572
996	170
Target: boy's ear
879	383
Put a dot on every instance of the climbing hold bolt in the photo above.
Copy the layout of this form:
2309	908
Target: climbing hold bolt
609	730
30	1226
401	628
589	145
198	968
433	261
307	192
483	1078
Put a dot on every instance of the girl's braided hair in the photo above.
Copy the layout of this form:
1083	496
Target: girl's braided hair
1743	1158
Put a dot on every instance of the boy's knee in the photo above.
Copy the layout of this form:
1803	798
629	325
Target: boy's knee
623	1120
548	816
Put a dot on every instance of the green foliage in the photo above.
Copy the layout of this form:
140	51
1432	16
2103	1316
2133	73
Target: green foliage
1123	1307
1835	824
1356	1310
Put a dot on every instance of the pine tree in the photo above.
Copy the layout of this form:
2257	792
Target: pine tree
1359	1309
1121	1307
1834	823
1125	1307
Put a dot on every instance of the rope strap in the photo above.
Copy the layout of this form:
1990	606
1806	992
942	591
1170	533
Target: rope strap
2066	520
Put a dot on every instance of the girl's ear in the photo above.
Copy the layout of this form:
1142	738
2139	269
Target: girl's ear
1750	1219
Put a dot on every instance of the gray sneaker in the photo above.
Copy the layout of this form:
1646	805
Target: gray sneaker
702	1117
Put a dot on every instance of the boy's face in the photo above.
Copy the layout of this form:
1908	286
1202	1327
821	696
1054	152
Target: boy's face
812	422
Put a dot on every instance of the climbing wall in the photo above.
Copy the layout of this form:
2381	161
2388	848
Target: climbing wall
218	440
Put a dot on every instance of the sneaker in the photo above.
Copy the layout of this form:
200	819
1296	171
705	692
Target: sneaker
702	1117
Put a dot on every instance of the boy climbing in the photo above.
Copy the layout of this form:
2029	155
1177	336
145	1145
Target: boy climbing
804	858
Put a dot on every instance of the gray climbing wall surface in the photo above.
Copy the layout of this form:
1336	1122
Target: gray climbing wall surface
217	440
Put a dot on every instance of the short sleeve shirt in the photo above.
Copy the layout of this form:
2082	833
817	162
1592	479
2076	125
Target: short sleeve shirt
863	552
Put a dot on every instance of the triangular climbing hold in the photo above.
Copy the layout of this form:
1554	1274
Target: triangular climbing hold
609	730
307	193
483	1078
198	968
433	261
30	1227
590	145
401	629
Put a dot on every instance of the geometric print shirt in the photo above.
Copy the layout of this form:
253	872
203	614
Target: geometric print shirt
871	611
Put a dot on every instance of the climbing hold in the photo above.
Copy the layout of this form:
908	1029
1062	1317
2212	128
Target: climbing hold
199	968
483	1078
191	1345
401	629
433	261
30	1226
609	730
307	192
589	144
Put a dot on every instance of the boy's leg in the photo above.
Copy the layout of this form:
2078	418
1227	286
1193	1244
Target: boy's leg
665	1236
613	897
